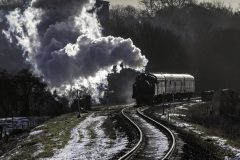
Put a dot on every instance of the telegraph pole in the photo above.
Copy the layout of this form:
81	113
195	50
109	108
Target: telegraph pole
163	102
78	103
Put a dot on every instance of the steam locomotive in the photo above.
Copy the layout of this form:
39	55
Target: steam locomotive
161	87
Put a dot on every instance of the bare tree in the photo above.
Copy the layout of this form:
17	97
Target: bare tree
177	3
151	6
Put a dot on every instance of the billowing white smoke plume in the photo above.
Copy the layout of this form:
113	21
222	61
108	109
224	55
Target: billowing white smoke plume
63	42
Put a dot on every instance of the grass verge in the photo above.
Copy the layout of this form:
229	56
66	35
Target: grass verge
52	135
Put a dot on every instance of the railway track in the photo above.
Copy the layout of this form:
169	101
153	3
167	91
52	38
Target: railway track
155	141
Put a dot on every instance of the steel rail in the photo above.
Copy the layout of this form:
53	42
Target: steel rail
135	148
168	131
168	155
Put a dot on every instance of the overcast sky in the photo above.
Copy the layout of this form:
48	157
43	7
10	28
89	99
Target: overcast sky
233	3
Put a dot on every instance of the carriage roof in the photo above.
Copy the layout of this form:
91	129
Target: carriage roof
163	76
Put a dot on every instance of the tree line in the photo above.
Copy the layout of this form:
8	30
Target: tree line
25	94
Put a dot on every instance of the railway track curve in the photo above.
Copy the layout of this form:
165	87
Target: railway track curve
168	131
141	131
134	149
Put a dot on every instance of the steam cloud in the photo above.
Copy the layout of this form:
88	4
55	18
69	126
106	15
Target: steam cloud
63	42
